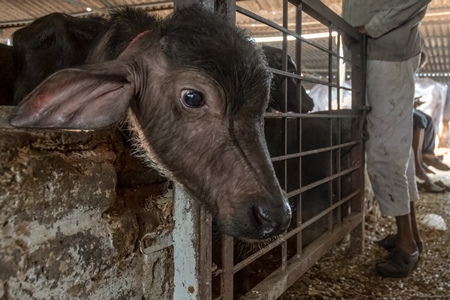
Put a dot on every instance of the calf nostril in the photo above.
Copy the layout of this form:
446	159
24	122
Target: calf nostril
266	223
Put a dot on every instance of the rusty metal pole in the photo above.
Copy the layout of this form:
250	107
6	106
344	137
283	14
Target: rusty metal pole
359	95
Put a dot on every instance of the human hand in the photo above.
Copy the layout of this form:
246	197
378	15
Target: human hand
362	30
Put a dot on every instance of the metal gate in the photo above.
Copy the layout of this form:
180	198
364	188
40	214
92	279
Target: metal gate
319	161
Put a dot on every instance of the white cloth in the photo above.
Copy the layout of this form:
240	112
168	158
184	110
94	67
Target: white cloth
390	160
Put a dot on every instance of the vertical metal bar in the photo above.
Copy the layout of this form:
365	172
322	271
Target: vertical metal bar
284	87
338	76
287	134
204	263
332	171
227	266
231	11
358	51
298	60
330	80
330	71
185	238
339	125
284	256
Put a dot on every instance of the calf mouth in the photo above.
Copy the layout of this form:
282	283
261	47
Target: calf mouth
255	223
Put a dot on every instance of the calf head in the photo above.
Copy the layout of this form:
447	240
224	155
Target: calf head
274	57
197	89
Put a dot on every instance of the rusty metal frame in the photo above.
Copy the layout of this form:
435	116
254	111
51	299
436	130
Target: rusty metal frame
349	208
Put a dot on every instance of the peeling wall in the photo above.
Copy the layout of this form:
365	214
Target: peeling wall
74	206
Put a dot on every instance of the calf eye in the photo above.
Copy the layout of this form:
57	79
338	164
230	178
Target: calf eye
192	99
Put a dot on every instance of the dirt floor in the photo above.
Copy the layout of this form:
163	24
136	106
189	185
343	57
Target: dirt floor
340	276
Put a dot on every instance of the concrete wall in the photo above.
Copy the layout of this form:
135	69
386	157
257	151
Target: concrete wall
74	207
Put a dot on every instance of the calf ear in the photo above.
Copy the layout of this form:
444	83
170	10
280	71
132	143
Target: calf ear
75	98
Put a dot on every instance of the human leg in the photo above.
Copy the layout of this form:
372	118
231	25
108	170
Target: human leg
429	138
404	257
417	142
429	142
414	227
390	162
420	170
390	92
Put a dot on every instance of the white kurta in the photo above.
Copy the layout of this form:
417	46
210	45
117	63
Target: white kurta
390	160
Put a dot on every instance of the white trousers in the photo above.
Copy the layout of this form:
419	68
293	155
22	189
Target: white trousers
390	160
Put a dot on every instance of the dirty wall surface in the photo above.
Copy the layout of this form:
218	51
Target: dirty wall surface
74	206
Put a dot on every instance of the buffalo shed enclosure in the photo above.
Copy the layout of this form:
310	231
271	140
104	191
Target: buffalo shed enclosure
83	219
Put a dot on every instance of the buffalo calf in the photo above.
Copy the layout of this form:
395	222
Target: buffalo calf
194	89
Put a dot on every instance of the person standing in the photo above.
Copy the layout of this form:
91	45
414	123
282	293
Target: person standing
393	52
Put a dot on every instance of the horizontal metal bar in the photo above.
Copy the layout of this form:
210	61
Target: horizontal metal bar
319	182
282	29
276	283
315	151
322	115
323	213
304	78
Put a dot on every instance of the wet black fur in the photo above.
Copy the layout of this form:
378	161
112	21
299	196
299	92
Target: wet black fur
7	75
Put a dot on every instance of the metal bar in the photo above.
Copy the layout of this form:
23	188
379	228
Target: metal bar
357	205
239	266
204	263
284	88
298	59
319	182
326	16
308	79
315	151
330	71
276	283
232	11
185	238
324	212
280	28
323	114
286	135
228	272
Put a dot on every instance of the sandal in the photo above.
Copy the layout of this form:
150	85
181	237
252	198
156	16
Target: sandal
398	264
390	242
430	187
442	185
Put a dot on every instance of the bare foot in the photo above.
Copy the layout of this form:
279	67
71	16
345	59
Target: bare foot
428	170
432	160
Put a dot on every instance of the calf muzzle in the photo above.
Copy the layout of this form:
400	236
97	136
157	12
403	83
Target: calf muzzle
272	222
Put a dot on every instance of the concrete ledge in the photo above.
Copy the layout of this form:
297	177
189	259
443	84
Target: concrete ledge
74	206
